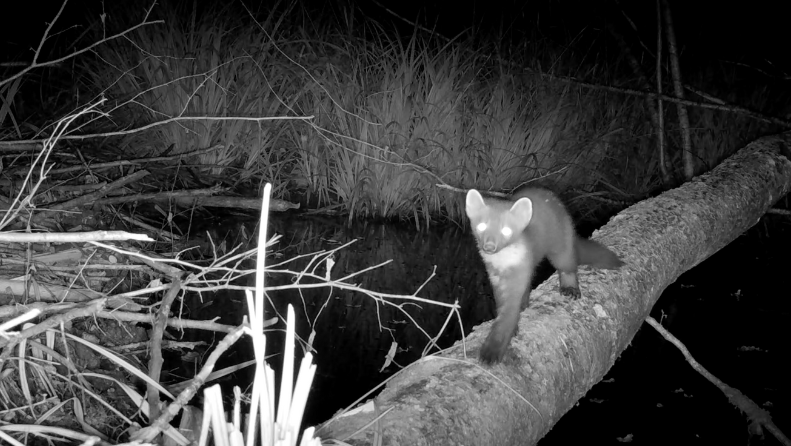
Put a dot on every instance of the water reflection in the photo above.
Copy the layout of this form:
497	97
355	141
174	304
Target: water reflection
354	332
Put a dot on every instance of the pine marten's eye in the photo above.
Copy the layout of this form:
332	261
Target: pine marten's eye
481	227
507	232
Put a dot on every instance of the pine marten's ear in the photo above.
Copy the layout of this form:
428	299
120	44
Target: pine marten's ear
522	210
474	203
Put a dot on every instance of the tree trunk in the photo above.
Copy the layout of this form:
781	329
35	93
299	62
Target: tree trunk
565	347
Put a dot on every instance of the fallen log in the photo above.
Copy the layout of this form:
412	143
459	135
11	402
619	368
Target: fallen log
565	347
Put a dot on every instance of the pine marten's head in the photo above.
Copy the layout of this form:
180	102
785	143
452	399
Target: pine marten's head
496	223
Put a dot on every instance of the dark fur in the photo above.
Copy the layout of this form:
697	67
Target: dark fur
542	228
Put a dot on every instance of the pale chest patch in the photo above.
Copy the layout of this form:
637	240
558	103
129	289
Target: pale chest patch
507	258
494	279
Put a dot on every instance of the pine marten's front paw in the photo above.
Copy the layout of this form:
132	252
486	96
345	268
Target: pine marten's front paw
570	292
494	347
491	353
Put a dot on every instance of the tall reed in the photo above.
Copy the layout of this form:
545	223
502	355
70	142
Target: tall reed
392	116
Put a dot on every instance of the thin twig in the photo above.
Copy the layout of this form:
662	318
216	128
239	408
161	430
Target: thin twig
35	64
758	417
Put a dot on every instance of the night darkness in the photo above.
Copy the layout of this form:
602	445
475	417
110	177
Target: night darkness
753	34
727	47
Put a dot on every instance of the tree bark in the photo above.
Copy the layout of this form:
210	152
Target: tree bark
565	347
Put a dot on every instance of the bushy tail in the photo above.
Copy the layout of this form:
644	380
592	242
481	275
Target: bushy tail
595	254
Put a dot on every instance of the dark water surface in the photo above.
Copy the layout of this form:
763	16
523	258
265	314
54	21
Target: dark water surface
355	331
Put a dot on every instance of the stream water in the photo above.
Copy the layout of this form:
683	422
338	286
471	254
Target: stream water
354	331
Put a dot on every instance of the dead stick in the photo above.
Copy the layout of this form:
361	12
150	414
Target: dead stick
54	321
757	416
93	196
10	311
155	363
148	434
134	162
71	237
158	196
